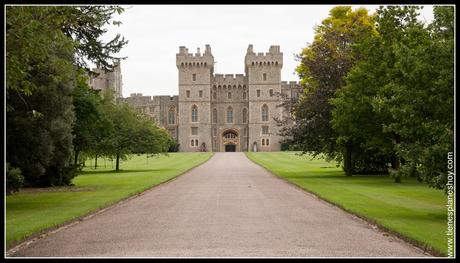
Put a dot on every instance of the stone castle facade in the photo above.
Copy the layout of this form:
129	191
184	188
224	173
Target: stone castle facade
102	80
216	112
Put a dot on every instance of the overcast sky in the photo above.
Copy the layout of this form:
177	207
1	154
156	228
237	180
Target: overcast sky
155	33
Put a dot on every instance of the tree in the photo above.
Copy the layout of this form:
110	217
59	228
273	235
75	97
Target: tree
87	108
419	98
131	133
323	65
44	49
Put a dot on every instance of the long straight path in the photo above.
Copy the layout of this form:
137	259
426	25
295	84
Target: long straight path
227	207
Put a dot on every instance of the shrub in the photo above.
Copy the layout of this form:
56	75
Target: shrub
14	179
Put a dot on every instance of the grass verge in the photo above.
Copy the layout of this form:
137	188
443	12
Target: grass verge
34	211
410	209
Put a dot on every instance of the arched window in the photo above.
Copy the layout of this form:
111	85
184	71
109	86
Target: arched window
265	113
214	115
194	113
245	115
229	114
192	142
172	116
196	142
268	142
263	142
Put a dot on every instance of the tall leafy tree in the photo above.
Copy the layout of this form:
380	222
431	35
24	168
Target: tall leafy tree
45	46
419	98
323	66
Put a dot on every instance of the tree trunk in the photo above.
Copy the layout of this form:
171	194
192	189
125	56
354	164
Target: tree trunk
396	162
348	162
95	162
117	166
76	157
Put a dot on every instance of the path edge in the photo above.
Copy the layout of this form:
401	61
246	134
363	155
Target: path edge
16	246
417	244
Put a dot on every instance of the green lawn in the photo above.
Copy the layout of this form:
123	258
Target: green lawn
411	209
30	213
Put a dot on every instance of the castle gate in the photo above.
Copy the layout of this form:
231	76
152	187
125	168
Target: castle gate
230	141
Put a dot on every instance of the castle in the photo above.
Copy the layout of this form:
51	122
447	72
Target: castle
215	112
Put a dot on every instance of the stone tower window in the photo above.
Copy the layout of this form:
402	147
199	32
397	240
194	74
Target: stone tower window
194	113
229	114
194	77
268	142
192	142
194	130
200	93
258	93
188	93
263	142
214	96
264	129
196	142
265	76
244	95
214	115
245	115
265	113
271	93
229	95
214	132
172	116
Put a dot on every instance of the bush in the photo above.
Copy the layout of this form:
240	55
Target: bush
14	179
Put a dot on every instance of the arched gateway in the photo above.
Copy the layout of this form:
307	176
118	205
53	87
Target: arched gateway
230	141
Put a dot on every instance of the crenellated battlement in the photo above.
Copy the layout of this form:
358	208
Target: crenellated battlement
198	59
271	58
226	80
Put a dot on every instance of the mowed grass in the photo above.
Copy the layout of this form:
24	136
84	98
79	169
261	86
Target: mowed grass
411	209
28	213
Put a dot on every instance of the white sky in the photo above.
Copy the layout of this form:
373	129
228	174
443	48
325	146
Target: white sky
155	33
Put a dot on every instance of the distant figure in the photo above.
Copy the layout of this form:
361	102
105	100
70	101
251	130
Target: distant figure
203	147
255	146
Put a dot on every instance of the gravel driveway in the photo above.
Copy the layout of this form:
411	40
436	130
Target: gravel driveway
227	207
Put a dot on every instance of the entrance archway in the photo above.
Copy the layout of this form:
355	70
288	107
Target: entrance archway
230	141
230	148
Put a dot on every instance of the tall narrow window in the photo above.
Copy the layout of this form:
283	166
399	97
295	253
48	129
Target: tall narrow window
214	115
194	113
196	142
271	93
194	77
245	115
214	132
263	142
229	95
230	115
265	113
192	142
244	95
258	93
265	76
188	93
200	93
172	116
268	142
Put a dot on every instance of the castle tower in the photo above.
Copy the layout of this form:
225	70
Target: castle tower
263	72
195	77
